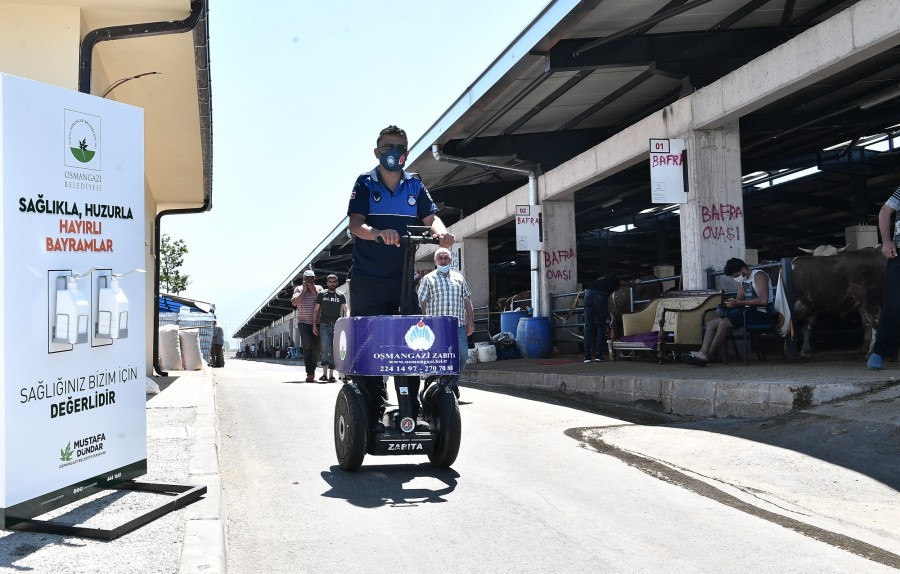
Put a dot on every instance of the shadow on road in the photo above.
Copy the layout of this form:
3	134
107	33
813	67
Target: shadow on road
393	484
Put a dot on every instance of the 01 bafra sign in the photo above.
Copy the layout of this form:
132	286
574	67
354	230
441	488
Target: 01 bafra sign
73	406
668	161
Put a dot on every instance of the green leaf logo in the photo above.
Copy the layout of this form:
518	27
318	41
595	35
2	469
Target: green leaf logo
82	140
82	153
65	454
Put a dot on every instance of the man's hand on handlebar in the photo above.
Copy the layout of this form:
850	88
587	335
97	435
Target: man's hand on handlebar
444	239
391	237
388	237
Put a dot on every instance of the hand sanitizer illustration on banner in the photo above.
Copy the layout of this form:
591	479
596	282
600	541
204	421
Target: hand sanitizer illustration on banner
112	307
73	312
112	313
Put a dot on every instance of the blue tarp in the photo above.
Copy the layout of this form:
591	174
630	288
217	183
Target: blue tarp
168	303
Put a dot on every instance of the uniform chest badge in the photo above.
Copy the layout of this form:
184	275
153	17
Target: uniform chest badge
376	196
411	199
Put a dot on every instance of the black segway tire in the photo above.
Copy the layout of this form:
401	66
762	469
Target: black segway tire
449	437
350	431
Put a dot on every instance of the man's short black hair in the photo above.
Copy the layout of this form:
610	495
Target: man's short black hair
391	130
733	265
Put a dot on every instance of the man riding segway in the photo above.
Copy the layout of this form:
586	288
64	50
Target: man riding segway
382	204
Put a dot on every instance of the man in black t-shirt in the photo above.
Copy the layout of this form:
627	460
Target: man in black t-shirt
330	306
596	311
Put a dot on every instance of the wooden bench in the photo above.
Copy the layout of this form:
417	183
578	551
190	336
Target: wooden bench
669	324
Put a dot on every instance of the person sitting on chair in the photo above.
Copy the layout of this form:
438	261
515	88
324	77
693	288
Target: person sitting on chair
754	291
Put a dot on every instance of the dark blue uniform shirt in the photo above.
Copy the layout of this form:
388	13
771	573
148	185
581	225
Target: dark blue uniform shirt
409	204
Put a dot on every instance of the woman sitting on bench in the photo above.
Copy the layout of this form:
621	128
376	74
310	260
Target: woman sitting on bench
755	291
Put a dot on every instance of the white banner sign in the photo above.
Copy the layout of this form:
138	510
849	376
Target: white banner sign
73	344
667	165
528	228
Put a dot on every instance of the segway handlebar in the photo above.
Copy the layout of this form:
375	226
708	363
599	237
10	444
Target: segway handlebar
415	235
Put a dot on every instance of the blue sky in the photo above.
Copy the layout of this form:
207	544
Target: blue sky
299	93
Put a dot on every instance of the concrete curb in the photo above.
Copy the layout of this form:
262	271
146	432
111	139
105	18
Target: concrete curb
678	396
191	403
203	549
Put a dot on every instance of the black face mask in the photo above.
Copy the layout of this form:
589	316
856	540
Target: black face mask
392	160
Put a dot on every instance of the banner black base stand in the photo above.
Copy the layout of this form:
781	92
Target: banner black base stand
183	495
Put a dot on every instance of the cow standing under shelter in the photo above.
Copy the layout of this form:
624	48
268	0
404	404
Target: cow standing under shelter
839	284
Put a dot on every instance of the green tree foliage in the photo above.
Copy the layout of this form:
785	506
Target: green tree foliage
171	256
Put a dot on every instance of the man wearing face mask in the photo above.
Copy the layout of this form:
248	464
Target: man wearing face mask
755	291
383	203
445	292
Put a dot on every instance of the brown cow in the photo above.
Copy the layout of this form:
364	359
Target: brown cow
840	284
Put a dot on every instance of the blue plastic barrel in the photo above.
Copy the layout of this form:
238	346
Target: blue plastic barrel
509	320
534	337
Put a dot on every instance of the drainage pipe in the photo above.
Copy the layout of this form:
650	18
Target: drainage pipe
540	304
94	37
189	24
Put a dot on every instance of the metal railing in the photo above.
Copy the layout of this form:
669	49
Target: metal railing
482	324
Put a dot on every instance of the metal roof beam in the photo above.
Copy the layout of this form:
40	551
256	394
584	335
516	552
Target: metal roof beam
632	84
801	236
814	13
787	13
533	85
544	148
738	15
540	106
743	45
778	194
641	27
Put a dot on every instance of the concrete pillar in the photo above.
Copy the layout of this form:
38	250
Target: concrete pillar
558	266
751	256
712	221
474	255
859	236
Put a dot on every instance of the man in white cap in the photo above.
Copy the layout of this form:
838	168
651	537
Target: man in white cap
304	299
445	292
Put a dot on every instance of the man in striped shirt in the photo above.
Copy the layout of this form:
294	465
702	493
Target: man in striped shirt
887	337
304	298
445	292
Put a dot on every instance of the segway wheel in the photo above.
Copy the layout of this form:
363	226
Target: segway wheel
449	437
349	430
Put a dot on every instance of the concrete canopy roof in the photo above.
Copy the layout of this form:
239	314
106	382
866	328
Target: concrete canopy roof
178	124
584	71
176	102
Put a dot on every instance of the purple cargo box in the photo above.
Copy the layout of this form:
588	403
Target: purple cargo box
396	345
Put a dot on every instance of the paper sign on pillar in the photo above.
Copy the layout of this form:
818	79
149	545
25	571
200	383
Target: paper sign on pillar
73	404
667	171
528	228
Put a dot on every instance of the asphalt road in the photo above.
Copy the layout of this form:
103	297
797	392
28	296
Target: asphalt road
534	490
